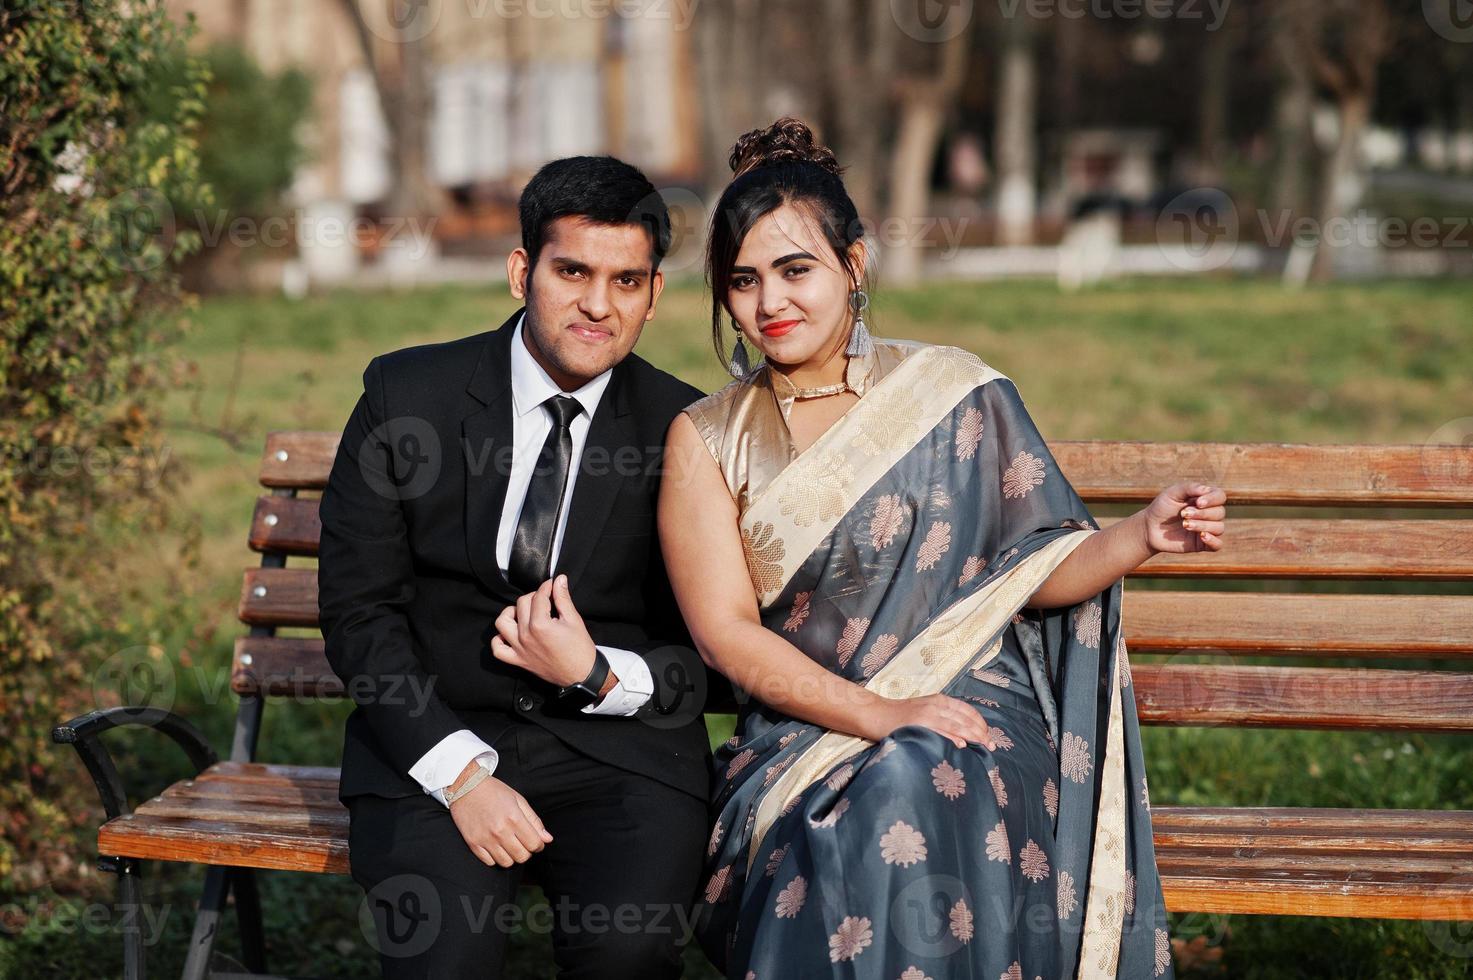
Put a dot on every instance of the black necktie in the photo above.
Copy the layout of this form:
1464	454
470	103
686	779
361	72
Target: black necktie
531	548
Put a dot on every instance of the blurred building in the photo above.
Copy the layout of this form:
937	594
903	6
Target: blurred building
510	85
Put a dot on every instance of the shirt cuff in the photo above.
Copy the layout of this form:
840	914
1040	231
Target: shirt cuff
633	687
441	765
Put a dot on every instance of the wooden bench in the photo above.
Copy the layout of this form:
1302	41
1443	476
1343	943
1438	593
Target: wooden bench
239	814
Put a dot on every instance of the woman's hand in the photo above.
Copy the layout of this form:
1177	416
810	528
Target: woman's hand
949	717
1185	518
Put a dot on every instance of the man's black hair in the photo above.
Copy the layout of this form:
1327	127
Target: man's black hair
602	189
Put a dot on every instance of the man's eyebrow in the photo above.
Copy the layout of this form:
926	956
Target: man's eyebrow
564	261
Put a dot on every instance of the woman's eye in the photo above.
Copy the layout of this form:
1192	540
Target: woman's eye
797	269
741	282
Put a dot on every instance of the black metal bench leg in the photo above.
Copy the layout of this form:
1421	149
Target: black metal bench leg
248	916
207	922
130	897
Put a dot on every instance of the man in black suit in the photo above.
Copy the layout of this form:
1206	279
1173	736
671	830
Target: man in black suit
493	596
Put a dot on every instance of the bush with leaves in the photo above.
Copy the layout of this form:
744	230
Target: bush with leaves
87	237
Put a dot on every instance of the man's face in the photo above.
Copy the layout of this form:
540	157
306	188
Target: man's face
589	296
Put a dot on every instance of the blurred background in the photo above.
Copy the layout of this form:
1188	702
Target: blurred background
1230	220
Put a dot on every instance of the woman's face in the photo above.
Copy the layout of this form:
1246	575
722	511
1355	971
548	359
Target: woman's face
789	293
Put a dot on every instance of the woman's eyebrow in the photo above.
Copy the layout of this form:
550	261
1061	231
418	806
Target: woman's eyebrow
788	258
775	262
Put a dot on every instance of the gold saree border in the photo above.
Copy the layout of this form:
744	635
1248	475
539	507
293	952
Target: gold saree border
1104	904
788	518
923	666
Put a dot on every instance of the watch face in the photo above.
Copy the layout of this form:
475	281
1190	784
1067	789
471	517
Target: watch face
576	696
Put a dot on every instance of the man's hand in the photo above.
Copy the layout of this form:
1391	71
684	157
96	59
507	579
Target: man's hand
497	823
558	650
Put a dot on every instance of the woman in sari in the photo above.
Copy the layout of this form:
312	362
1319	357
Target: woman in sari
937	768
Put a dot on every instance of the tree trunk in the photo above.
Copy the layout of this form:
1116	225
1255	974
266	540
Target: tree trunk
732	92
924	105
403	85
1340	189
414	195
1016	156
861	65
1364	30
1212	107
1292	118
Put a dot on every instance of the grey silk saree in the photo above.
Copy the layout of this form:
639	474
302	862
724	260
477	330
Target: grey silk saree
898	552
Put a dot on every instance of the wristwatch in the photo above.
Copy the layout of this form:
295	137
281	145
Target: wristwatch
585	692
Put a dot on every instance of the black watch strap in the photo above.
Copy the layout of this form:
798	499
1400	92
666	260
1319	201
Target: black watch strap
585	692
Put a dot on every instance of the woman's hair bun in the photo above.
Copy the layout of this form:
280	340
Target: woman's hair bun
788	140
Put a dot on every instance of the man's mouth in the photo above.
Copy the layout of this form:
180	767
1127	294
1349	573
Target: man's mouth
590	333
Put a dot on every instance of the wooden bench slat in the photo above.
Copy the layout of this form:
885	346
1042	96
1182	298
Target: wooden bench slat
286	525
272	773
1348	863
273	817
279	597
1320	548
1309	548
1272	473
1132	471
1282	870
1246	622
1303	697
1221	888
223	842
1183	828
305	795
1296	623
298	460
1371	845
1308	819
283	666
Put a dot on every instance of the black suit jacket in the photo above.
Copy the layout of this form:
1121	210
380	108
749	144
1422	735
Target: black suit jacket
409	588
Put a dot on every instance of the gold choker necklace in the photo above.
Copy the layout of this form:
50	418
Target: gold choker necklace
820	391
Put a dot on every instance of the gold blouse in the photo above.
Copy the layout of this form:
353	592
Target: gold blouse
745	424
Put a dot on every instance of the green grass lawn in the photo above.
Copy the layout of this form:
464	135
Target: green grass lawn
1160	360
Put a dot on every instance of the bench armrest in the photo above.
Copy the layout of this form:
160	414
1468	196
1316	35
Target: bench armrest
83	731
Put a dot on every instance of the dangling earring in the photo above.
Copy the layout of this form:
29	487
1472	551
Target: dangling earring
860	342
739	366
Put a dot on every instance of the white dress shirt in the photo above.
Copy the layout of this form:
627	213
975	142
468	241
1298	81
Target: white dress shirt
530	387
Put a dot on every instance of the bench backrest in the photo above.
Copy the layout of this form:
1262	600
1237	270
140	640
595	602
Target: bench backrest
1404	525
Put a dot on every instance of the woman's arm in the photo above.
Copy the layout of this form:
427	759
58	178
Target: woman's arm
701	540
1183	518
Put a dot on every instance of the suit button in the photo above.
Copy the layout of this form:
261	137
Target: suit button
526	702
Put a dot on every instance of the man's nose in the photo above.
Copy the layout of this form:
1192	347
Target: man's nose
594	301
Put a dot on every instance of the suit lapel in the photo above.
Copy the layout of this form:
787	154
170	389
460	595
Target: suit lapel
611	431
486	435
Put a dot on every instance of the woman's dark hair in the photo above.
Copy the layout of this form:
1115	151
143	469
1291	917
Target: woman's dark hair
782	164
602	189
